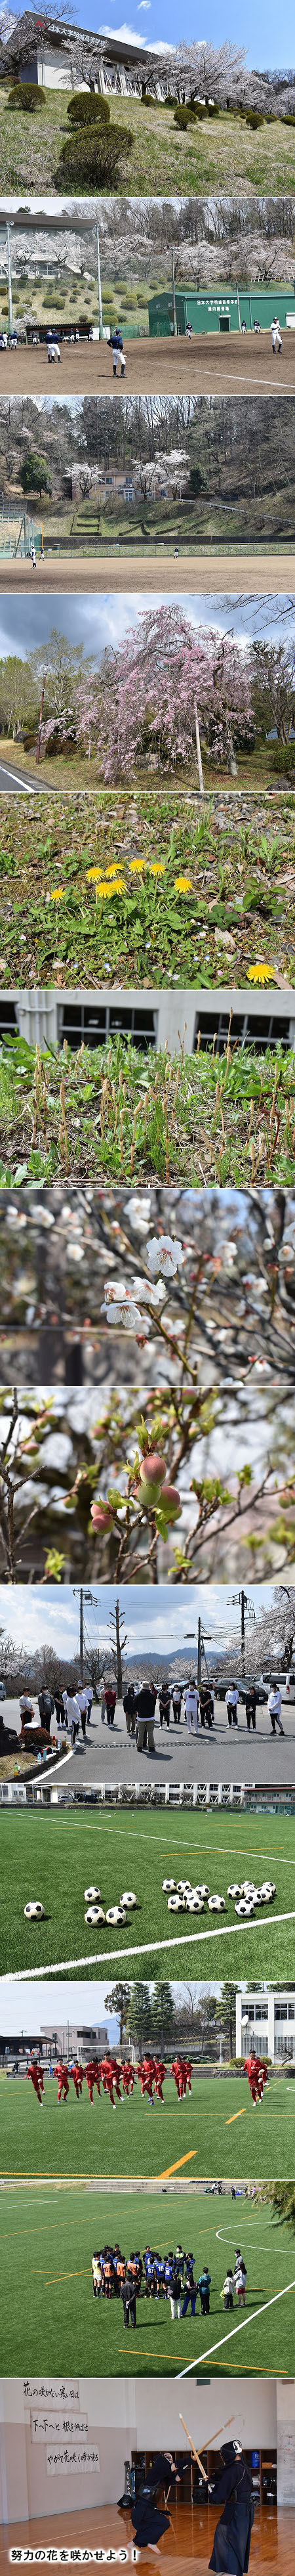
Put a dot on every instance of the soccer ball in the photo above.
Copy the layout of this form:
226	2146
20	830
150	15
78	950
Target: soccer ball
116	1914
245	1907
202	1891
128	1900
92	1895
94	1914
168	1885
235	1890
195	1905
176	1904
267	1887
216	1905
34	1913
260	1899
186	1885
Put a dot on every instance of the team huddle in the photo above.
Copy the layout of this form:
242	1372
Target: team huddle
173	2277
110	2074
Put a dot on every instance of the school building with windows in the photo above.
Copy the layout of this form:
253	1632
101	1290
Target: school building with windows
266	2023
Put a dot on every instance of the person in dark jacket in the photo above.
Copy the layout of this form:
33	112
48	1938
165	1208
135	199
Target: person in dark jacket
145	1715
205	1704
129	1706
233	2491
204	2287
46	1707
164	1703
128	2295
251	1706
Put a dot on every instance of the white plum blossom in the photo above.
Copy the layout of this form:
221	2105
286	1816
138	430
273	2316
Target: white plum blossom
126	1314
166	1255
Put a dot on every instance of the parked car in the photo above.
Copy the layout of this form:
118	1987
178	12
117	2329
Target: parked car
2	1690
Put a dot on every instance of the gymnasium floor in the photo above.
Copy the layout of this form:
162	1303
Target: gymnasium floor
188	2543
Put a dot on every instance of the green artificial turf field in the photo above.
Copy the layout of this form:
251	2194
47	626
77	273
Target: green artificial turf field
52	1855
48	2309
209	2133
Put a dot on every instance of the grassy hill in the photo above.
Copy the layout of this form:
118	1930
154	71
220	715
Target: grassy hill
163	161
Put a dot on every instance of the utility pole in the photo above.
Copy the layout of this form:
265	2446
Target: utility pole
245	1605
199	1653
174	297
99	285
81	1635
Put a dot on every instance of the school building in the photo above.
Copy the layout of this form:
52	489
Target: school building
221	308
265	2023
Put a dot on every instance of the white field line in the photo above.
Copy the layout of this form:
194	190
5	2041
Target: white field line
240	2329
145	1949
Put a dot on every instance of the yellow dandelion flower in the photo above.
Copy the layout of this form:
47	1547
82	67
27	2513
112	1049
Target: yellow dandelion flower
117	887
261	973
157	868
113	869
136	867
57	894
92	873
183	885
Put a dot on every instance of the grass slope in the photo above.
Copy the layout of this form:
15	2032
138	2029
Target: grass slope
50	1857
138	2141
161	159
49	2309
182	1122
240	906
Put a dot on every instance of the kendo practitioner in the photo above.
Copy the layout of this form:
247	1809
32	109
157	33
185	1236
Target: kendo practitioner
147	2514
233	2492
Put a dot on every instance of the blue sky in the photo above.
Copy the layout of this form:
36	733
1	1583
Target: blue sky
34	2011
268	40
33	1618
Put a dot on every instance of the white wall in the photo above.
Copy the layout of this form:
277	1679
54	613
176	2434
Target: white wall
286	2440
123	2415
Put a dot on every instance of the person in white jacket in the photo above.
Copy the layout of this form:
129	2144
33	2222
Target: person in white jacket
192	1707
274	1709
231	1702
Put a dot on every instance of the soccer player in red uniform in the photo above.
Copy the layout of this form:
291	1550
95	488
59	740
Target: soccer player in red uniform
160	2072
179	2070
110	2071
128	2078
90	2076
37	2079
77	2073
256	2070
61	2072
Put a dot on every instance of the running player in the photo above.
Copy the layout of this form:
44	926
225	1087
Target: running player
128	2076
62	2074
37	2079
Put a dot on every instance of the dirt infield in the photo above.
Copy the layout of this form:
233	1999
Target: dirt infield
215	574
237	363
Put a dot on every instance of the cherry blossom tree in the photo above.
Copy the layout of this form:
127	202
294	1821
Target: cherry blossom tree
165	677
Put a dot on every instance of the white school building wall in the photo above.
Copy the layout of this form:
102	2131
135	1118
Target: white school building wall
269	2028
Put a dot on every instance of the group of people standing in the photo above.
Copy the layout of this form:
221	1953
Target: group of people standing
172	2276
72	1709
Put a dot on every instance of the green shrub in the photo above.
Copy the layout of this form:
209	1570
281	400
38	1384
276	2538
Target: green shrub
283	760
26	96
86	106
94	159
181	117
253	119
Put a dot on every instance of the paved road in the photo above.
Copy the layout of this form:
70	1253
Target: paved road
224	575
109	1754
13	780
238	363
